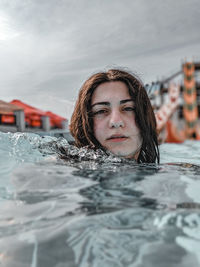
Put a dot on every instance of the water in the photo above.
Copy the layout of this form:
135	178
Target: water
96	209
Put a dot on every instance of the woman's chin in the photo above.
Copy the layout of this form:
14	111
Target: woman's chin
123	154
126	154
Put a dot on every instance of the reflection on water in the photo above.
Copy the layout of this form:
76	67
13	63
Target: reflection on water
96	209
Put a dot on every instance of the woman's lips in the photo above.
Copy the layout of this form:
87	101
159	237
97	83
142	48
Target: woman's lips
116	138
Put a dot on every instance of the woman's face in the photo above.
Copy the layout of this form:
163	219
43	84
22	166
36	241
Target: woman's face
114	120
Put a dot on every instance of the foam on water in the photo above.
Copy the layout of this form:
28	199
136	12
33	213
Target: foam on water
63	206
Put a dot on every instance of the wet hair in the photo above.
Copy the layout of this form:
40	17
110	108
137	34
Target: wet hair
81	126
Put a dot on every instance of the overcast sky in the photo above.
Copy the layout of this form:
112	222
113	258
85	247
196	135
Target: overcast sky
49	47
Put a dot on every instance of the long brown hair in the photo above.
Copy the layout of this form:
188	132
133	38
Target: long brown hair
81	126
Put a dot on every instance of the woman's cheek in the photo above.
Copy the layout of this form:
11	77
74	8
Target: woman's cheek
99	130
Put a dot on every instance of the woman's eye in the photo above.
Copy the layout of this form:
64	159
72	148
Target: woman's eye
98	112
129	109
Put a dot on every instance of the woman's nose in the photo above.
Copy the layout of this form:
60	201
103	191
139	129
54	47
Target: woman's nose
116	119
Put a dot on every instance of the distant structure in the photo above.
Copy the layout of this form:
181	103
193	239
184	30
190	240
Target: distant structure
11	116
177	106
18	116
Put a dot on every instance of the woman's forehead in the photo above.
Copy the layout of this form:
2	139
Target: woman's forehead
111	91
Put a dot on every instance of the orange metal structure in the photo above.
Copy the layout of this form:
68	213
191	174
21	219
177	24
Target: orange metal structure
190	110
173	134
7	110
33	116
191	129
167	109
55	120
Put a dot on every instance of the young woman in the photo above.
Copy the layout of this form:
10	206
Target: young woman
113	112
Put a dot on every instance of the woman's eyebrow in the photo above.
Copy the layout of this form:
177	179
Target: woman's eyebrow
101	103
126	100
108	103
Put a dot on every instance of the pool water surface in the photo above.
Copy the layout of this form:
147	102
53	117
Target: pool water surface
92	209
